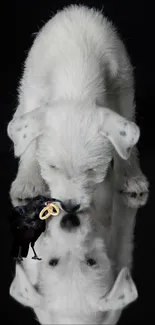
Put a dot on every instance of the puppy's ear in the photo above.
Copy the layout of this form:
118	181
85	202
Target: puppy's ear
22	290
122	133
122	294
22	130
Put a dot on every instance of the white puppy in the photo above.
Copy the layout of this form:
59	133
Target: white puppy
76	113
75	282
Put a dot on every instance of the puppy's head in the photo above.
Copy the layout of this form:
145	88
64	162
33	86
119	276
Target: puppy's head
75	277
75	144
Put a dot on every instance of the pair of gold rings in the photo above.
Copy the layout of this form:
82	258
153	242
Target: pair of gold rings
51	209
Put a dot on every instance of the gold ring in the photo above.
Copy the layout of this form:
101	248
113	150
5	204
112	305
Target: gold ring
51	209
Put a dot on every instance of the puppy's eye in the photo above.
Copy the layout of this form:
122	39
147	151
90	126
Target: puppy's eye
90	262
53	262
91	170
53	166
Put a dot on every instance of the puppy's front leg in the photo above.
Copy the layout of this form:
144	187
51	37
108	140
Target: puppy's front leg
28	182
130	181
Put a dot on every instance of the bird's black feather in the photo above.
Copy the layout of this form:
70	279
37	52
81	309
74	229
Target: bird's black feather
26	227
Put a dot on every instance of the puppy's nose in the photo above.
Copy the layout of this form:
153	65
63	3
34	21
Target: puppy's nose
69	206
70	221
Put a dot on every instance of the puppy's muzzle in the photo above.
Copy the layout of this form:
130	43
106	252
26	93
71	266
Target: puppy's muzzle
70	222
70	207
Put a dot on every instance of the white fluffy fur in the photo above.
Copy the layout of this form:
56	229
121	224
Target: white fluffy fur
76	113
73	292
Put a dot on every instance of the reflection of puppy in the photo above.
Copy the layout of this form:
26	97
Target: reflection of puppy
74	283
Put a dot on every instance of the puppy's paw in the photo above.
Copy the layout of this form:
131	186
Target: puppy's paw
135	191
23	189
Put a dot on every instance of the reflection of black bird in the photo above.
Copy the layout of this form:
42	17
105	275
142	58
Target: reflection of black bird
26	227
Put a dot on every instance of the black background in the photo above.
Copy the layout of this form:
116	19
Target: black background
134	20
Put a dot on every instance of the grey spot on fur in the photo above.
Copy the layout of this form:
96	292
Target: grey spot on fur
26	290
123	133
26	126
121	297
128	149
125	124
19	129
25	135
107	133
33	189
